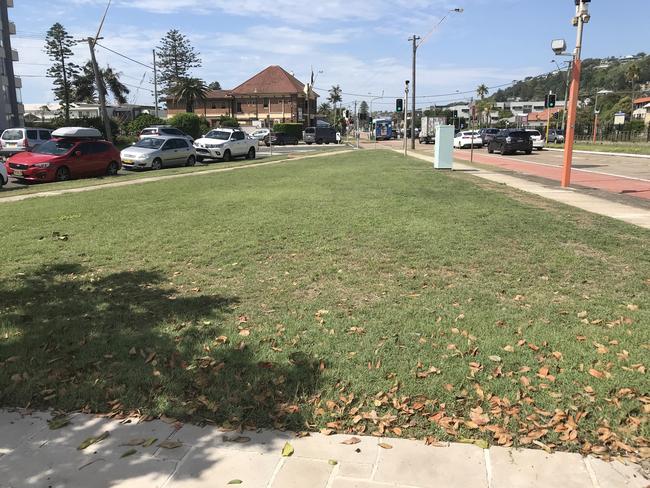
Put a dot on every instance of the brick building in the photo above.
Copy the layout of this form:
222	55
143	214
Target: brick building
271	96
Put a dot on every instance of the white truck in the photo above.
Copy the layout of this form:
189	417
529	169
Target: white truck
225	144
428	130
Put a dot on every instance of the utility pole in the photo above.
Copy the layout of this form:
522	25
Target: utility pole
356	124
100	89
582	17
415	40
548	116
406	111
155	84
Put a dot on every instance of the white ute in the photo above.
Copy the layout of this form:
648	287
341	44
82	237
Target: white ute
225	144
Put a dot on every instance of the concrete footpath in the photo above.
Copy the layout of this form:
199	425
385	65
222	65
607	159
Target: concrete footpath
569	196
172	455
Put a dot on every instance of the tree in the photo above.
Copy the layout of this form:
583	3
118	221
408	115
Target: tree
58	46
325	109
44	109
85	86
482	90
141	122
334	98
176	57
215	85
190	90
188	123
632	75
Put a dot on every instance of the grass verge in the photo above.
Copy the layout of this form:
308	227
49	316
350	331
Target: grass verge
357	293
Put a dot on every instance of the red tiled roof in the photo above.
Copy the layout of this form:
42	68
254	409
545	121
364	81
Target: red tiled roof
542	116
218	93
272	80
642	100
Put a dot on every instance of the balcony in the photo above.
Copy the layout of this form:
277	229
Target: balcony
12	28
14	56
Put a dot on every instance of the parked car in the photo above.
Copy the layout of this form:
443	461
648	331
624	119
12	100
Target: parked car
319	135
73	152
261	135
556	136
537	138
509	141
487	135
282	139
164	130
158	153
467	139
225	144
4	176
13	141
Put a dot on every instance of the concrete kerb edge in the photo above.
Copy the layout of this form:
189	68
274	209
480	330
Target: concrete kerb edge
142	181
603	153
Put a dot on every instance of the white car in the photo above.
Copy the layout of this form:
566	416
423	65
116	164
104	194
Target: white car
225	144
261	135
538	139
4	177
465	139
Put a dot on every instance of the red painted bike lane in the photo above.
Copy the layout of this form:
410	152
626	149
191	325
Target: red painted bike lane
589	179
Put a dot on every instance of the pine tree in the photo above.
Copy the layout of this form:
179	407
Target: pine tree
215	85
176	57
58	46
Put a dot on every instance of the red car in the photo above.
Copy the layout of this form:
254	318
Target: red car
72	152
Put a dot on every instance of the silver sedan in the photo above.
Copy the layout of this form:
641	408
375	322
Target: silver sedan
158	152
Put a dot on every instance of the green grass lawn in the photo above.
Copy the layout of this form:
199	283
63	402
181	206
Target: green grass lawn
629	148
358	293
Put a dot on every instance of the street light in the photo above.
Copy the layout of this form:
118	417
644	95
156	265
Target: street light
597	112
416	45
579	20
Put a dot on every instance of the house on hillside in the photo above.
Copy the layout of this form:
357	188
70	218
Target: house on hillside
540	119
642	109
271	96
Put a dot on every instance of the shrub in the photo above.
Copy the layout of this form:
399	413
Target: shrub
141	122
188	123
225	121
290	129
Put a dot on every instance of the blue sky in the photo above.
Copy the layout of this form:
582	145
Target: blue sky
359	44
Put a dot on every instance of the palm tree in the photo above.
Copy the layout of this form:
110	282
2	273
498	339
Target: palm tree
482	90
190	90
85	89
334	98
325	109
632	75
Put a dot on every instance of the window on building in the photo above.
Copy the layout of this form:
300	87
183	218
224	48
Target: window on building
266	103
214	106
223	105
239	110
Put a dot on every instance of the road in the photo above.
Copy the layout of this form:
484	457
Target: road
611	173
262	153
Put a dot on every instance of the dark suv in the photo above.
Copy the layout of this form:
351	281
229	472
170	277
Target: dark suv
487	135
509	141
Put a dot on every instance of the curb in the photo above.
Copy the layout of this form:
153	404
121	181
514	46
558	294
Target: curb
604	153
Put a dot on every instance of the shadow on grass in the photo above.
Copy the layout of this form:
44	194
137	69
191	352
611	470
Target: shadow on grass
130	342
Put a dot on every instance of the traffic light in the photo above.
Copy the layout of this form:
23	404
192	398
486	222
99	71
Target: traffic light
399	105
551	101
556	115
347	114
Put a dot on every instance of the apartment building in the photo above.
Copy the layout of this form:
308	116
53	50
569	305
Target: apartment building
11	106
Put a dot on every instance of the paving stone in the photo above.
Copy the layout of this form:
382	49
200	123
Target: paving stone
15	428
63	467
214	468
414	464
326	447
617	475
348	483
355	470
528	468
301	473
264	442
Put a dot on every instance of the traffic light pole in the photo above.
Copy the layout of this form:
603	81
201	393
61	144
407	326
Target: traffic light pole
406	111
548	116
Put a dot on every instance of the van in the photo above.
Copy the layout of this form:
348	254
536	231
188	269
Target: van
13	141
319	135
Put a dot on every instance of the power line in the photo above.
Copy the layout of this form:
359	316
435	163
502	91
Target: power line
124	56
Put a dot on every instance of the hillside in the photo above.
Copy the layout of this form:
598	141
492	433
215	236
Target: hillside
597	74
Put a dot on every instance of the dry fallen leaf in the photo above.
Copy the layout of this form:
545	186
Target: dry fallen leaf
596	374
287	450
351	441
383	445
92	440
128	453
170	444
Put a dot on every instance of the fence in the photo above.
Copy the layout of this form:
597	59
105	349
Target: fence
611	133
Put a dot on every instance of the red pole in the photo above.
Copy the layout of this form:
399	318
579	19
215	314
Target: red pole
571	122
595	127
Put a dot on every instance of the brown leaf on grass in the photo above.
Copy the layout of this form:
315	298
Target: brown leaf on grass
384	445
596	374
543	372
351	441
397	431
244	332
242	319
509	348
632	307
583	314
478	417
